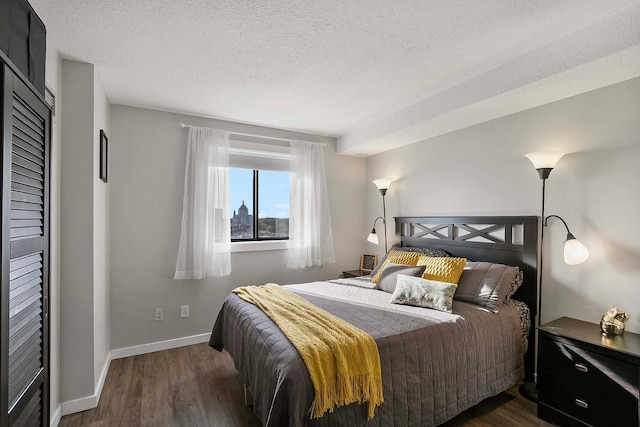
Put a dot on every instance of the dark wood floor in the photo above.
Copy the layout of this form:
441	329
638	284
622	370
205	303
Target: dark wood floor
197	386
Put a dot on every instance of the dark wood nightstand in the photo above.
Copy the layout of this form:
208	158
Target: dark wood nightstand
585	377
355	273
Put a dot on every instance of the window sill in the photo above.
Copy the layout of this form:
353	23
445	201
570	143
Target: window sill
270	245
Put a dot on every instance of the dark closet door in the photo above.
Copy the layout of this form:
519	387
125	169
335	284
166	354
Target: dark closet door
23	38
25	256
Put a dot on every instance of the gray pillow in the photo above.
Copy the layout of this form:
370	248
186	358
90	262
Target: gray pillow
424	293
485	284
388	277
426	251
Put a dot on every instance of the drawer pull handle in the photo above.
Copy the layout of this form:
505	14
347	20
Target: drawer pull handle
581	403
580	367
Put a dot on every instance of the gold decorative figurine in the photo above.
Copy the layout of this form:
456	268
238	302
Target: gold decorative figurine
612	323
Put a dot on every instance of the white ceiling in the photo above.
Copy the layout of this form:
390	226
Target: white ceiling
376	74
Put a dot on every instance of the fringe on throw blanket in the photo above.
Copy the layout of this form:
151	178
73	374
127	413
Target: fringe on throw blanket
342	360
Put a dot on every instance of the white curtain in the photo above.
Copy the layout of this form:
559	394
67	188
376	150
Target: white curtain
205	240
310	239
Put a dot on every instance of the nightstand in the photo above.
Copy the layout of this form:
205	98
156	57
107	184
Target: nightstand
585	377
355	273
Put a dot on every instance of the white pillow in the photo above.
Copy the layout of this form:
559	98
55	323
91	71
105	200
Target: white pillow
424	293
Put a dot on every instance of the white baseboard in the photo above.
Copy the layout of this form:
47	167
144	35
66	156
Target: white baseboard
103	377
136	350
79	405
88	402
55	417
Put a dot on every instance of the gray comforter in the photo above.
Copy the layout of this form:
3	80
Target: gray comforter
434	365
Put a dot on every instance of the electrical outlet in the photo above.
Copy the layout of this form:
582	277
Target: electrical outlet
159	314
184	311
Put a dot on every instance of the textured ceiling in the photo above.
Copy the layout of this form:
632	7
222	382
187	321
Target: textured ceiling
343	68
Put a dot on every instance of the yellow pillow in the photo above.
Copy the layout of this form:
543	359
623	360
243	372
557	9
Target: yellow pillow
442	269
397	257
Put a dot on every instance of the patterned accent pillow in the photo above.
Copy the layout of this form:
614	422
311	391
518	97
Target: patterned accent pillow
525	320
397	257
485	284
442	269
424	293
515	285
389	275
423	251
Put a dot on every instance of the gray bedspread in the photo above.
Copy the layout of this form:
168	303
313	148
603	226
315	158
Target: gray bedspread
434	365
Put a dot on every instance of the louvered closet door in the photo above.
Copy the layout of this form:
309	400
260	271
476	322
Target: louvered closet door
25	201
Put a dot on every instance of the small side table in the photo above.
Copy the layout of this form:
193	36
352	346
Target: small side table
586	378
355	273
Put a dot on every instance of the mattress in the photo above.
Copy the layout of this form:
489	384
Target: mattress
434	364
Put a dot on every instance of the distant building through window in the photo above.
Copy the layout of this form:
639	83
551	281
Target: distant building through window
263	213
242	223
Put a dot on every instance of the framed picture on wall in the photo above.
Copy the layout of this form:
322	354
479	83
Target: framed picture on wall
104	155
368	262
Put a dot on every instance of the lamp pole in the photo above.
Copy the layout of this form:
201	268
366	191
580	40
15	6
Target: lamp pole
543	225
384	218
383	185
529	389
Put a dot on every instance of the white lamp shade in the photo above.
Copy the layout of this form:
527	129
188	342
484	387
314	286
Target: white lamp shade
575	252
544	159
373	238
382	183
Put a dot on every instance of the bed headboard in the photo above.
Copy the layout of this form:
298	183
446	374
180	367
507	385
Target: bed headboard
510	240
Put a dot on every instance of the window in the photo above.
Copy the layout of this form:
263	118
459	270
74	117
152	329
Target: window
259	202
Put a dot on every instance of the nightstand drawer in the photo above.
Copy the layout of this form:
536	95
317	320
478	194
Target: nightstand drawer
583	403
609	376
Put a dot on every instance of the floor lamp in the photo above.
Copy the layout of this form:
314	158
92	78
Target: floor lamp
574	251
383	185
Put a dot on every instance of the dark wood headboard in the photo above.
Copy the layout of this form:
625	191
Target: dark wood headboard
510	240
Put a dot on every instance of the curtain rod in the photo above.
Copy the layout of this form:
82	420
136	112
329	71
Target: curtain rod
182	125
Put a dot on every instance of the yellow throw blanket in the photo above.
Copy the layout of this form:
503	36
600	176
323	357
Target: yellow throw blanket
342	360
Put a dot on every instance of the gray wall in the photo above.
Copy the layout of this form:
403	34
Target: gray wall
101	324
147	158
76	322
84	324
482	170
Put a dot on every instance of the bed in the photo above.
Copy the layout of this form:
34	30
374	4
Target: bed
434	364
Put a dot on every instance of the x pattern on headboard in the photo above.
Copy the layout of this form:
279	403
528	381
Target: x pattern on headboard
486	232
510	240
